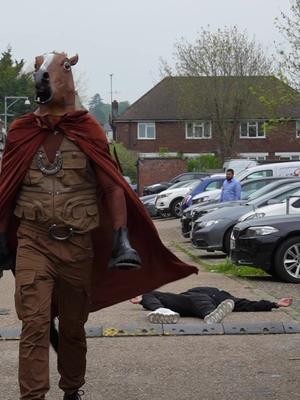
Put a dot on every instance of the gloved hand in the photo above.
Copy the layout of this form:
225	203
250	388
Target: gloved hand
7	258
123	257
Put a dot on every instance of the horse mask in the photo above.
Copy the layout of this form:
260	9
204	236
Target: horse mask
54	79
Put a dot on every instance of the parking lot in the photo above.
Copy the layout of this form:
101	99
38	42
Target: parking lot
248	367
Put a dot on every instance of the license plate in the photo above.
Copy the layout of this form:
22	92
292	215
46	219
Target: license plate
232	244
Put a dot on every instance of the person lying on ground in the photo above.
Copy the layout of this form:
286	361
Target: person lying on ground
208	303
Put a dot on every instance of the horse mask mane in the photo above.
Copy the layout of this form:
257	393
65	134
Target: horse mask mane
54	83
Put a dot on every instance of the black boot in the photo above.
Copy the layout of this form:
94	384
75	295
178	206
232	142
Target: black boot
123	257
74	396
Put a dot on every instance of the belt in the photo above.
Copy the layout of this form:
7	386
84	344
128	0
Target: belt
54	231
60	233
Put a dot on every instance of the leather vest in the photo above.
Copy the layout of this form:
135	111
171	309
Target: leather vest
63	193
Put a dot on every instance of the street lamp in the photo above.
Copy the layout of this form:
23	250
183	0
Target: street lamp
8	104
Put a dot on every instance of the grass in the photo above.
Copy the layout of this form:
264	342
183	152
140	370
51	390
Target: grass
226	267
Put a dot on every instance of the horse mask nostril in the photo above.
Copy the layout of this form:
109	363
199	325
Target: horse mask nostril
45	76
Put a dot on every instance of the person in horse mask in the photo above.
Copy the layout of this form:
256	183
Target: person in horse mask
82	238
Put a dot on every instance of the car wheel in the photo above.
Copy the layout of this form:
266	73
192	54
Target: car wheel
226	241
175	207
287	260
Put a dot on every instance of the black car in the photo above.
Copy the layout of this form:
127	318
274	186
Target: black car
251	189
159	187
270	243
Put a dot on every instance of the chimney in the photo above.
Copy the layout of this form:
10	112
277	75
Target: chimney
115	109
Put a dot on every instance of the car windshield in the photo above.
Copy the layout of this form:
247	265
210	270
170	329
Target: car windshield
263	190
278	194
191	183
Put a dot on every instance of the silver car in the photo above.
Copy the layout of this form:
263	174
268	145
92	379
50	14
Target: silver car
212	231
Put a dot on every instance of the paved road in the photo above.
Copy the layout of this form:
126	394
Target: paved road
265	284
250	367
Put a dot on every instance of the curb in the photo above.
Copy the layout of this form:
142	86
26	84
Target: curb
261	328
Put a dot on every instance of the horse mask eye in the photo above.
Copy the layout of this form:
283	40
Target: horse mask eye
67	65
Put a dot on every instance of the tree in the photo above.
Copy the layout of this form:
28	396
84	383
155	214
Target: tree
225	57
15	82
289	51
123	105
102	110
96	108
128	160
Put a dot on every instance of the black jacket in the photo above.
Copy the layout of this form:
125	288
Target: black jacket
199	301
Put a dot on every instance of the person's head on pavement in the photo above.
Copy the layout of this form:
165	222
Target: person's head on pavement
229	174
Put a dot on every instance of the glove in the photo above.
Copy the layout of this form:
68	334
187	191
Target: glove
7	258
123	257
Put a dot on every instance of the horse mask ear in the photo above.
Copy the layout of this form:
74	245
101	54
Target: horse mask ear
38	62
74	60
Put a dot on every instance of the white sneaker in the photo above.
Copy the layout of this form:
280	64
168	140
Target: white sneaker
163	316
223	309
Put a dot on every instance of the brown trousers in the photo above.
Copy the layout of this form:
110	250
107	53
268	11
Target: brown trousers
48	269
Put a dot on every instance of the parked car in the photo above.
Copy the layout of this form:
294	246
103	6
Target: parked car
291	168
212	231
159	187
251	189
156	188
239	164
205	185
290	205
206	197
169	201
149	203
248	186
270	243
132	185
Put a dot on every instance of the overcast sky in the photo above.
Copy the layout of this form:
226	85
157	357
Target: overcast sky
125	37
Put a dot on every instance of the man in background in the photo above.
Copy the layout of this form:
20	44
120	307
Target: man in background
231	189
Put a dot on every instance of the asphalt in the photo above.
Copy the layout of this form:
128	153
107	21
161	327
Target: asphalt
182	364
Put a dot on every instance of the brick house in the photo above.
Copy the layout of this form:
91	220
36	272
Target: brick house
177	116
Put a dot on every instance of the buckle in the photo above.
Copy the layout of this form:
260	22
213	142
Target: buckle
54	235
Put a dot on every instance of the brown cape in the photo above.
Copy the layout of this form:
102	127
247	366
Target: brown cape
159	265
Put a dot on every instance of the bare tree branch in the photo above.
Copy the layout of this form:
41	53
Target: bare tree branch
221	56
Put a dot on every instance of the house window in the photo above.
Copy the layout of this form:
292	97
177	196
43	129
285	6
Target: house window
252	129
198	130
288	156
146	130
255	156
298	128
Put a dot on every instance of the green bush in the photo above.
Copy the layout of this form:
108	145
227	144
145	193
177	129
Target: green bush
204	163
128	160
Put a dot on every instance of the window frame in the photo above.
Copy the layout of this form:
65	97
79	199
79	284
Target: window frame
147	124
251	124
198	123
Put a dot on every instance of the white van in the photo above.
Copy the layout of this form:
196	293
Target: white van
239	164
291	168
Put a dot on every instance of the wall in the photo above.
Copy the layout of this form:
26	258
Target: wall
171	135
154	170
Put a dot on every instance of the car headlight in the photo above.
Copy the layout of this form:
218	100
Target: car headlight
205	224
253	216
260	231
201	200
163	195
